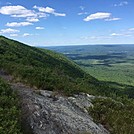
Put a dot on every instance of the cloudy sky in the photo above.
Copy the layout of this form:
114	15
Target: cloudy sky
68	22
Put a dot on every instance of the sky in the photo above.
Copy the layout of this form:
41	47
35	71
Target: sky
68	22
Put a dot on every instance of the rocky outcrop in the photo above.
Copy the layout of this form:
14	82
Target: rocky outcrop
47	112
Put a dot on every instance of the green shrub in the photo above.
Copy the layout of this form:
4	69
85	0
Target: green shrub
117	117
9	112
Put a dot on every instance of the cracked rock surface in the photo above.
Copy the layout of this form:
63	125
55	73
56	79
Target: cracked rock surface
49	113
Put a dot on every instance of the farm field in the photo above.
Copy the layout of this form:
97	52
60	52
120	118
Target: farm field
114	63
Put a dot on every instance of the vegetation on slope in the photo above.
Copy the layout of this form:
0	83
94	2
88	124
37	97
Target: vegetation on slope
117	117
112	63
41	68
9	112
48	70
45	69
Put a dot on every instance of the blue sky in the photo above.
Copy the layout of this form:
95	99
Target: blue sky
68	22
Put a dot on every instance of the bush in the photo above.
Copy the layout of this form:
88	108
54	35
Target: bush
9	112
117	117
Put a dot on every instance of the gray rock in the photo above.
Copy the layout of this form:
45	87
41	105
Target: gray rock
64	115
45	112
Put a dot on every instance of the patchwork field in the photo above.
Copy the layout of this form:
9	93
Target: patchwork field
113	63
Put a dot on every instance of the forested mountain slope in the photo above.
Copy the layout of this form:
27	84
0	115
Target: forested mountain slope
41	68
46	70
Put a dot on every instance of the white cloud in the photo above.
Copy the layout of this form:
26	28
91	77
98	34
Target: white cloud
82	8
131	29
82	13
59	14
39	28
101	15
22	15
49	10
42	15
32	19
98	15
16	11
26	34
96	37
123	3
112	19
115	34
9	30
43	9
127	33
22	12
13	35
18	24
